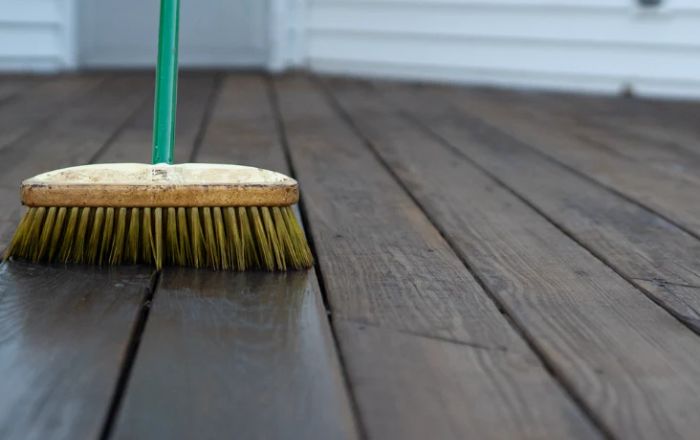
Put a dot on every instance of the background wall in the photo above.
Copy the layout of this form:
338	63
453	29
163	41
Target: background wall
598	45
222	33
37	35
594	45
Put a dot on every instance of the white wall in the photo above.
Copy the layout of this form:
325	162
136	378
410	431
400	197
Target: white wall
220	33
596	45
37	35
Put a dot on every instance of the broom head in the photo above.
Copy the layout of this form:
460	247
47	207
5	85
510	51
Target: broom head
201	215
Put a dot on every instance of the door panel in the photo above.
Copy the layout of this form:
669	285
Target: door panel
212	32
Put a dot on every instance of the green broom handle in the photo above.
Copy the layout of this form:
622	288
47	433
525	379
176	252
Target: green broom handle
166	83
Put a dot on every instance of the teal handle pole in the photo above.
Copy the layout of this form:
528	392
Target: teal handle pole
166	83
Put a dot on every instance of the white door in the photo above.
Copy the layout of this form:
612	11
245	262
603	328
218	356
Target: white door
216	33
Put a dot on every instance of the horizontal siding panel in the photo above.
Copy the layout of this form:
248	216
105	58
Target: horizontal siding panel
622	27
551	57
609	5
606	45
27	42
36	35
29	12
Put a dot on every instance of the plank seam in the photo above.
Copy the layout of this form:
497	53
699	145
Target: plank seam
120	129
282	136
57	112
131	353
691	323
206	117
547	365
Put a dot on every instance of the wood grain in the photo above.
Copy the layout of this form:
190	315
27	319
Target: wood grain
631	364
670	189
250	354
427	351
64	333
65	329
133	144
650	252
72	137
12	86
242	354
29	110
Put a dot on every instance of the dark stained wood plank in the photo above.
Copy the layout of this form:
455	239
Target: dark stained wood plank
241	355
29	110
427	352
72	137
134	142
11	86
66	329
63	338
248	355
666	190
241	128
632	364
580	118
650	252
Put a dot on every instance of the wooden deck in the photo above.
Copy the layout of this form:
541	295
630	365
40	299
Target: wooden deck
491	265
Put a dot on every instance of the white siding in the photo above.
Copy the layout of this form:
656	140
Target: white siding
596	45
37	35
213	33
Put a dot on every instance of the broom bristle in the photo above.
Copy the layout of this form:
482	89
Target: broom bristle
243	238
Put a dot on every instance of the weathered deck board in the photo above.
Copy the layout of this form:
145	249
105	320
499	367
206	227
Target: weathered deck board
72	137
427	352
11	86
223	353
66	330
649	251
32	108
666	190
133	144
63	338
632	364
580	118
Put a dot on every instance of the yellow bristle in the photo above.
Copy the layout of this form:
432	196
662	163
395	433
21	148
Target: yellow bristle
158	234
235	246
220	230
210	246
95	235
107	235
284	239
263	244
32	229
69	235
147	245
57	232
240	238
119	235
132	241
247	240
196	238
171	238
272	238
183	237
20	234
79	248
298	238
45	239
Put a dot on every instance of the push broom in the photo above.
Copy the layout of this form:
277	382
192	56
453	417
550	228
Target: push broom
201	215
